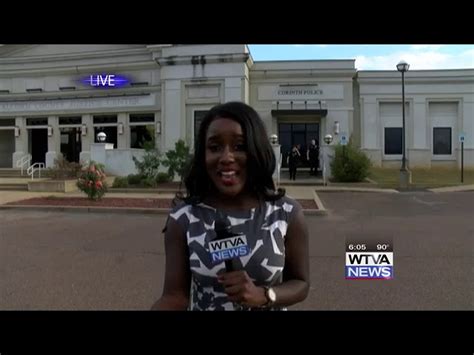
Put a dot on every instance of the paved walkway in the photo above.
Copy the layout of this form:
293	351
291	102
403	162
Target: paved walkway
294	191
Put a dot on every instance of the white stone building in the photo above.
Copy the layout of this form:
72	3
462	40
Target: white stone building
46	108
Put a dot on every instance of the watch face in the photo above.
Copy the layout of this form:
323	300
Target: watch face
271	295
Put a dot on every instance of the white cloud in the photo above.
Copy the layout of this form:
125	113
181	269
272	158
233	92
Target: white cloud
418	59
433	47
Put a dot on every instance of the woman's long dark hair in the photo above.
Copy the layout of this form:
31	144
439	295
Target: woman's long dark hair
261	160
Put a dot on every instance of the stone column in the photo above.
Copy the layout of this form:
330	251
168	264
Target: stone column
21	142
54	141
123	139
87	139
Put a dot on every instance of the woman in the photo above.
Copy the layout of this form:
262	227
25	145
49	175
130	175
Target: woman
231	175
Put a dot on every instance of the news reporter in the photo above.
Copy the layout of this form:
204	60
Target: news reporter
231	173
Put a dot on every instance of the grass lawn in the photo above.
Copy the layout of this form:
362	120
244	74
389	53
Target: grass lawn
422	178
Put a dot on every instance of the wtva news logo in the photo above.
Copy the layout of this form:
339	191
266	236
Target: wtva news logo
104	80
369	260
229	248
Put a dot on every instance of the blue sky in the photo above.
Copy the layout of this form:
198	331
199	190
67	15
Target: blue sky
374	57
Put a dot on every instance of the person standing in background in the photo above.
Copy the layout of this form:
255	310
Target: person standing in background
312	154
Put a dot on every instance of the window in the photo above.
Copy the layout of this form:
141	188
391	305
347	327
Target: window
105	119
393	140
142	118
63	121
7	122
442	140
140	135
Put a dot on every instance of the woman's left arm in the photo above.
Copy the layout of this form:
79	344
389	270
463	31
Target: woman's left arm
295	286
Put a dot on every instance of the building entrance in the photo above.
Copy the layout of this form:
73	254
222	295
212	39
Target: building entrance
297	133
71	143
38	143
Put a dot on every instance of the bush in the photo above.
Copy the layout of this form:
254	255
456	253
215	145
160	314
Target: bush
149	166
177	159
148	182
134	179
350	164
120	182
163	177
92	181
64	169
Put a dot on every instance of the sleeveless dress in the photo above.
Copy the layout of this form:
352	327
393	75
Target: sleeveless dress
265	229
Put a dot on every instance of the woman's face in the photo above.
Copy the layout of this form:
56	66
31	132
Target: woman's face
226	156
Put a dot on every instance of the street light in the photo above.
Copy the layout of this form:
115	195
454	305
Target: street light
405	177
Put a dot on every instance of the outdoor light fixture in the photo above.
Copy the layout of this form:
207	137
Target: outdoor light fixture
328	139
50	131
405	176
336	128
120	128
101	137
84	130
273	139
17	131
403	67
158	127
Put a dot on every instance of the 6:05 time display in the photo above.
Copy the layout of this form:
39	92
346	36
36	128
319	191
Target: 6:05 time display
357	247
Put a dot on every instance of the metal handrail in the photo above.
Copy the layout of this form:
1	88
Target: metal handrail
31	170
25	160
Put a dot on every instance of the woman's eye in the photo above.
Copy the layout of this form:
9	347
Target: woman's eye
214	148
240	147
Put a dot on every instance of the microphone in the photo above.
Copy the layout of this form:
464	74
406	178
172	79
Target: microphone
227	245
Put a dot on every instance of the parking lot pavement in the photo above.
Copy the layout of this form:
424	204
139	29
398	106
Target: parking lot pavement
53	260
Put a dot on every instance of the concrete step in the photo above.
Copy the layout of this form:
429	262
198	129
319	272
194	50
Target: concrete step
13	187
16	173
5	172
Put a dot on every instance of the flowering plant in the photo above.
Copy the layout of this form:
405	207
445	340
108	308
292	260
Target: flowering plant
92	181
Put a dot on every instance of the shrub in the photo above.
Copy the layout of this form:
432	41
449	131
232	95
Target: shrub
134	179
92	181
120	182
163	177
148	182
350	164
177	159
64	169
149	166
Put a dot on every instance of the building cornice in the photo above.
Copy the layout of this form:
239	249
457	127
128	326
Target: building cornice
204	59
78	69
75	56
78	94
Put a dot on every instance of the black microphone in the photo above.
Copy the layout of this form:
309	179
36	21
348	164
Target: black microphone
228	246
223	231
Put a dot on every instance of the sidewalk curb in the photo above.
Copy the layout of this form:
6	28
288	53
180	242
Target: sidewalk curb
459	188
321	211
354	189
86	209
118	210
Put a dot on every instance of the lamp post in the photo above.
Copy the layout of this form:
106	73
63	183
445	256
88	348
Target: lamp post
405	175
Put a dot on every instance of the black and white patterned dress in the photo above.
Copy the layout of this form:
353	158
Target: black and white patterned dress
265	228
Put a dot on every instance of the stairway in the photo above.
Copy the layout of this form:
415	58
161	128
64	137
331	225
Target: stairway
12	173
12	180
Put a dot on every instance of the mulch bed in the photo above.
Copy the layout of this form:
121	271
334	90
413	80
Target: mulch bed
115	202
